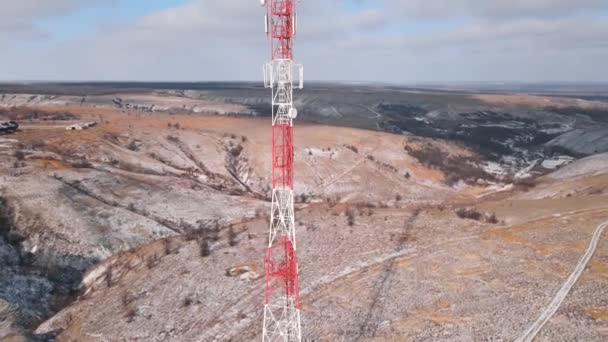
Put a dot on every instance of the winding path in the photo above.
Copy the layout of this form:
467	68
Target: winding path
546	315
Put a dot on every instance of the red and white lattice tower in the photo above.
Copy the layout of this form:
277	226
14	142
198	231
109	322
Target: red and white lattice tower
282	302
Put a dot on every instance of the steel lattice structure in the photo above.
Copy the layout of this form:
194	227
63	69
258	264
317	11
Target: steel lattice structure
282	301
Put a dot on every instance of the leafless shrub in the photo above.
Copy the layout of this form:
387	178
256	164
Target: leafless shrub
184	226
215	230
385	165
456	168
491	218
204	248
398	197
81	164
303	198
474	214
404	238
131	313
132	146
232	235
152	261
113	137
38	144
311	227
352	148
350	217
20	155
452	179
365	208
596	191
187	302
173	139
127	299
367	205
407	175
332	200
525	183
193	234
130	167
108	276
259	212
236	150
207	231
469	213
166	246
6	310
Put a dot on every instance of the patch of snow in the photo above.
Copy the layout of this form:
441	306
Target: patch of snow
556	162
422	119
495	188
7	143
593	165
317	152
558	130
494	169
433	114
525	172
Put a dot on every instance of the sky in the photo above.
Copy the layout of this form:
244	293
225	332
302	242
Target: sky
393	41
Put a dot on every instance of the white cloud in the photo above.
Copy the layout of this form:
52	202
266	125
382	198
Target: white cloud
18	18
496	8
220	40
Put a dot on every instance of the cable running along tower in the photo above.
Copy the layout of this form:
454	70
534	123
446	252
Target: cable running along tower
281	302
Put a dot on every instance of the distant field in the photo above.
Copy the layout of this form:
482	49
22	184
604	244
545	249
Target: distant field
514	125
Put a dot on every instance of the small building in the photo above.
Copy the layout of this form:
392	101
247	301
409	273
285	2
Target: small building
74	127
80	126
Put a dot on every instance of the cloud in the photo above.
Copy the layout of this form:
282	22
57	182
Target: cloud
367	19
179	43
19	18
201	39
496	9
530	34
382	40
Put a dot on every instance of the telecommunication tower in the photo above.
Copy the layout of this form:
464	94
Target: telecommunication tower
282	299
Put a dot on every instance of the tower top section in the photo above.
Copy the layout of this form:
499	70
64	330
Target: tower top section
281	26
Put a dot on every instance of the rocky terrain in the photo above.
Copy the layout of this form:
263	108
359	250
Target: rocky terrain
151	226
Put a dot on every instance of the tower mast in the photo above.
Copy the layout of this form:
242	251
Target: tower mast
282	301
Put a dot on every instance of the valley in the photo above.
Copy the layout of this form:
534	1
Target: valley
466	210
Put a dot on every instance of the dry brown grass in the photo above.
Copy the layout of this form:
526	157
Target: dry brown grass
50	164
600	268
597	313
538	101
